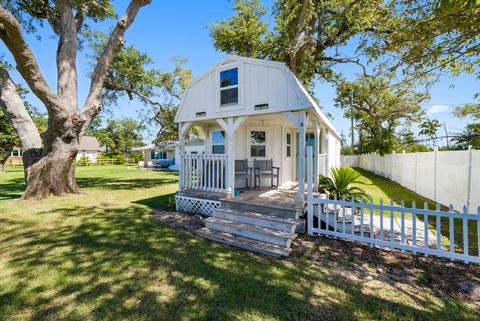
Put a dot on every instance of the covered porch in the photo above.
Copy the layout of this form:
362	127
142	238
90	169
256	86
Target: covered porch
278	137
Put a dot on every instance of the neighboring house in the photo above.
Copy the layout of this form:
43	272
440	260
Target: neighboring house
89	147
15	156
255	114
166	155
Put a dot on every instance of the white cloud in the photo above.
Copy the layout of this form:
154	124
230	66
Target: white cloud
435	109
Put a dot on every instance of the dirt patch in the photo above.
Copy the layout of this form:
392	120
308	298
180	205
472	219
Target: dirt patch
179	221
443	277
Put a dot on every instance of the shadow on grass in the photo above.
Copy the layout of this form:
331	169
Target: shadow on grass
12	186
106	263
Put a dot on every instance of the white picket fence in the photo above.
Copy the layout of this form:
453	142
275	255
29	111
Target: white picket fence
417	230
205	172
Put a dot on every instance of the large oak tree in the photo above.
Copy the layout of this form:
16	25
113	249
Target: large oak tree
49	161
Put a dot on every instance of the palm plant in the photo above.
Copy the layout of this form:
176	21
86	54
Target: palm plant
340	184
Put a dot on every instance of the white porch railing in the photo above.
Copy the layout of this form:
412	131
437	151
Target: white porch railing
205	172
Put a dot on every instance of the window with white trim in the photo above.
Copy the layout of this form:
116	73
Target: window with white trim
156	154
229	87
258	143
288	140
218	142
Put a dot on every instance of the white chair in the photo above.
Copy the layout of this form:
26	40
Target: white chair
141	164
149	164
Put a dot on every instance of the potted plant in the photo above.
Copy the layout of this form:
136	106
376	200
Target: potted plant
341	182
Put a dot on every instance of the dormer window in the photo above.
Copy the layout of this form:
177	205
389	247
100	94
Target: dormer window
229	87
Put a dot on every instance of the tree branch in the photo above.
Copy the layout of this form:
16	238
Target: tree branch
92	105
15	111
67	56
344	60
27	65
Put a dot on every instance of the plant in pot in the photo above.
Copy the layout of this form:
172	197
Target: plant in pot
341	182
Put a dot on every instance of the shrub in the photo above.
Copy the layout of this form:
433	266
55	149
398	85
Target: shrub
83	161
121	160
341	184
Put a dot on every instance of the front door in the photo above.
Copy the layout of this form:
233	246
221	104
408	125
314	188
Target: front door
310	141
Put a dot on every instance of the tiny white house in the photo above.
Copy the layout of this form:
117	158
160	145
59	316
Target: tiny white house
257	120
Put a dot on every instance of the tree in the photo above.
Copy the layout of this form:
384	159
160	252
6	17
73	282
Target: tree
308	35
429	36
119	136
380	105
8	140
49	163
429	128
469	137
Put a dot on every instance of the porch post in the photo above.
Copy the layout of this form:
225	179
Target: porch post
230	126
316	127
182	130
327	152
301	154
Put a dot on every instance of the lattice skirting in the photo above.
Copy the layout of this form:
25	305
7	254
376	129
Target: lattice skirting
196	205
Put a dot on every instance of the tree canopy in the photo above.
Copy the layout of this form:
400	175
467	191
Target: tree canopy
308	35
379	104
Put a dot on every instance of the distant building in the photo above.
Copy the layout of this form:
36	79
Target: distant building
15	156
166	155
89	147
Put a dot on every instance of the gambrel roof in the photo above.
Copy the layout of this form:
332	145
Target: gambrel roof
265	83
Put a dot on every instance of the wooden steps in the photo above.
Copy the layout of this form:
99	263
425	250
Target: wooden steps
255	228
243	242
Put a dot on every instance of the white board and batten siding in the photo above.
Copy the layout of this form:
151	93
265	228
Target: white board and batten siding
259	82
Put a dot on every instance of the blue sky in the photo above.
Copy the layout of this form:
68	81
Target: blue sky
179	28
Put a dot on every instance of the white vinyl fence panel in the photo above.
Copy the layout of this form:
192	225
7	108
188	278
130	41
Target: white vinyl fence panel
416	229
446	177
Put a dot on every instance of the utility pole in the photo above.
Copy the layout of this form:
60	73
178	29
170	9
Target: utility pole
446	134
351	109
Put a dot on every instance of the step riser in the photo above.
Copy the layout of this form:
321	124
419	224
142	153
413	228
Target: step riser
242	246
287	213
286	227
249	234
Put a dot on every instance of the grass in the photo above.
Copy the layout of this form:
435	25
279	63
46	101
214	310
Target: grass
102	256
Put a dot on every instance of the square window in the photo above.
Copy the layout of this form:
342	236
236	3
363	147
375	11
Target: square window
229	96
258	147
257	137
257	150
218	149
229	77
218	142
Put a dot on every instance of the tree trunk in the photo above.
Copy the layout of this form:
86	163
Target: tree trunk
2	166
53	173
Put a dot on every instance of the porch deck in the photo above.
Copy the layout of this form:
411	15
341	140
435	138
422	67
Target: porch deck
272	197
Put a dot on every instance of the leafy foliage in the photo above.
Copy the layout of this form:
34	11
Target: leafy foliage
380	105
429	128
431	35
119	136
469	137
8	139
308	35
340	184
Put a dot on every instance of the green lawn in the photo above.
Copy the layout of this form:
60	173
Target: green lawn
102	256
